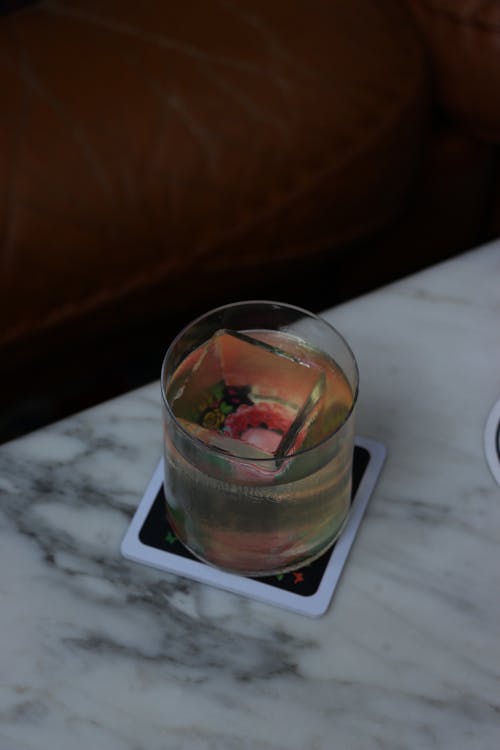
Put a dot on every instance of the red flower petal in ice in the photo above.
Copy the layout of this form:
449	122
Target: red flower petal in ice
264	415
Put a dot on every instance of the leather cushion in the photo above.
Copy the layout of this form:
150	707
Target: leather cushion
139	140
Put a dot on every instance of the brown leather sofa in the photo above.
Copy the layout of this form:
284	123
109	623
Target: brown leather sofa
157	159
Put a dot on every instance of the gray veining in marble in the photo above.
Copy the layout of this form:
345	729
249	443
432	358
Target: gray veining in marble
99	652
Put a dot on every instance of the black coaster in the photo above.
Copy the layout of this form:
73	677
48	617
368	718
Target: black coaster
308	590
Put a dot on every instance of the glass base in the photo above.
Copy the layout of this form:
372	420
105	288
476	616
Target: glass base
296	565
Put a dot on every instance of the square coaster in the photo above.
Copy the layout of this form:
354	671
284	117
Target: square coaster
307	590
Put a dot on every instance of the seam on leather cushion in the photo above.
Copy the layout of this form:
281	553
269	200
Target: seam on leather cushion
475	18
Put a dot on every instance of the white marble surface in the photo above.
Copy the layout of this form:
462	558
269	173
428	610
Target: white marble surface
97	652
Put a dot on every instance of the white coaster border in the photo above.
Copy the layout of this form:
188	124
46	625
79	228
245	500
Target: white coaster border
313	606
492	441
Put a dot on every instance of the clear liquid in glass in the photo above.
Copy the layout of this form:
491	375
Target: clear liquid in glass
258	458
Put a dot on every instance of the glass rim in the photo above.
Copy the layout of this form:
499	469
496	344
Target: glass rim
220	451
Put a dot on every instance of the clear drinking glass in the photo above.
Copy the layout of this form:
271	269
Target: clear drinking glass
258	413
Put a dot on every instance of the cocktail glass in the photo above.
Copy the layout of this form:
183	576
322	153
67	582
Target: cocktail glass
258	412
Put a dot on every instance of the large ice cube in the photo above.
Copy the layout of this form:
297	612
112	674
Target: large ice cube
246	396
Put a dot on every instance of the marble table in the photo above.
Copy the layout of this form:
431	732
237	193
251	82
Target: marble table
99	652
